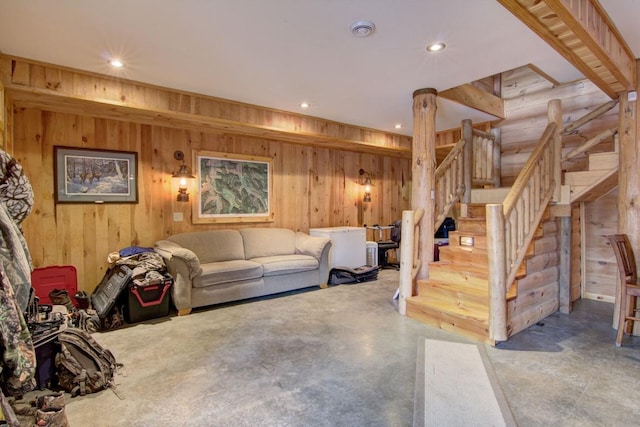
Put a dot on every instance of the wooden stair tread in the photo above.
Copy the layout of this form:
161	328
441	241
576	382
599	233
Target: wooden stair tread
455	287
480	272
481	316
452	319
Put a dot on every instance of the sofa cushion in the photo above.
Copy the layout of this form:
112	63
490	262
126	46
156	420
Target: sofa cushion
264	242
213	245
215	273
286	264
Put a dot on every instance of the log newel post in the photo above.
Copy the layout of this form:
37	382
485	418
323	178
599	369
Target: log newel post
564	279
555	116
467	136
628	182
497	157
497	273
423	171
406	261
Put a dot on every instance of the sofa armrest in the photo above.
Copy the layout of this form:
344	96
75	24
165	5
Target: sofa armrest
183	265
317	247
311	245
173	252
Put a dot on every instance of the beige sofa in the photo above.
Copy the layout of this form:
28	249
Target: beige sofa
212	267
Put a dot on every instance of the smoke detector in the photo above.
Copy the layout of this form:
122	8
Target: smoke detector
362	28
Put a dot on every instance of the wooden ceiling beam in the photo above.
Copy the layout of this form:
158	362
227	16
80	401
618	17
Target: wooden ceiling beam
582	32
474	97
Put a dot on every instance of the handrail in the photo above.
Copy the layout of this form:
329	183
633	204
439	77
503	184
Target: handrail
607	133
589	116
512	225
409	256
450	182
442	167
523	178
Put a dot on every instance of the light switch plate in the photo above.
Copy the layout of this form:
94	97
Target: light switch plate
632	96
177	217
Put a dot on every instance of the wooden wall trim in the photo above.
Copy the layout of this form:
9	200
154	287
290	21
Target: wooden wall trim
56	88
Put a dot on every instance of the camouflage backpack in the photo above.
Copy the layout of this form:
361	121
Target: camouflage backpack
83	365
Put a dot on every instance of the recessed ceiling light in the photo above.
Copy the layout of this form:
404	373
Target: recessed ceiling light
362	28
304	105
116	63
436	47
398	126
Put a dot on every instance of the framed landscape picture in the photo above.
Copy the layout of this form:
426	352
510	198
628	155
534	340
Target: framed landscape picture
95	176
232	188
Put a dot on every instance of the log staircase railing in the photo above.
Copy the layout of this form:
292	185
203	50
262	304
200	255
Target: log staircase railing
486	158
473	161
592	142
512	225
452	181
454	178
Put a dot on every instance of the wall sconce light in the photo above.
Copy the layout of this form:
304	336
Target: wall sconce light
366	181
183	174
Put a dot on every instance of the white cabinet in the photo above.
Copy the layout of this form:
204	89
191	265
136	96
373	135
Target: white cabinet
348	245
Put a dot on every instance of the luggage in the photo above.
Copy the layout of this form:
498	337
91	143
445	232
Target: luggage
148	299
340	275
106	294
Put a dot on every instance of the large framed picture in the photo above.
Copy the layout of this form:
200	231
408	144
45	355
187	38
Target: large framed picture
232	188
95	176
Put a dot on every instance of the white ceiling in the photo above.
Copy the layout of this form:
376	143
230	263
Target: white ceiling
277	53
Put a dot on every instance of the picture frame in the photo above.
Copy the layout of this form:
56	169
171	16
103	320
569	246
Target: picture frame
95	176
232	188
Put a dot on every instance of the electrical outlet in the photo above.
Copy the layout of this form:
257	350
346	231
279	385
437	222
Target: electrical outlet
177	217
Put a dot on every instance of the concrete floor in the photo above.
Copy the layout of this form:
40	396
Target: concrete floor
343	357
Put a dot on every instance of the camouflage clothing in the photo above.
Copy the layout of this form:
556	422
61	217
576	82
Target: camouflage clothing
15	188
143	263
19	357
16	202
15	258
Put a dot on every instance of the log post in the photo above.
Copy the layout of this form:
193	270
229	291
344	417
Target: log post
423	160
555	116
497	157
564	279
467	135
628	179
497	273
406	261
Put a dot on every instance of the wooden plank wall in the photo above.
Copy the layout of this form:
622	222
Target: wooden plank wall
313	187
526	97
537	295
600	268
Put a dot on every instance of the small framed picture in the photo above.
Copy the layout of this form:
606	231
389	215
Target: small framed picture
95	176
